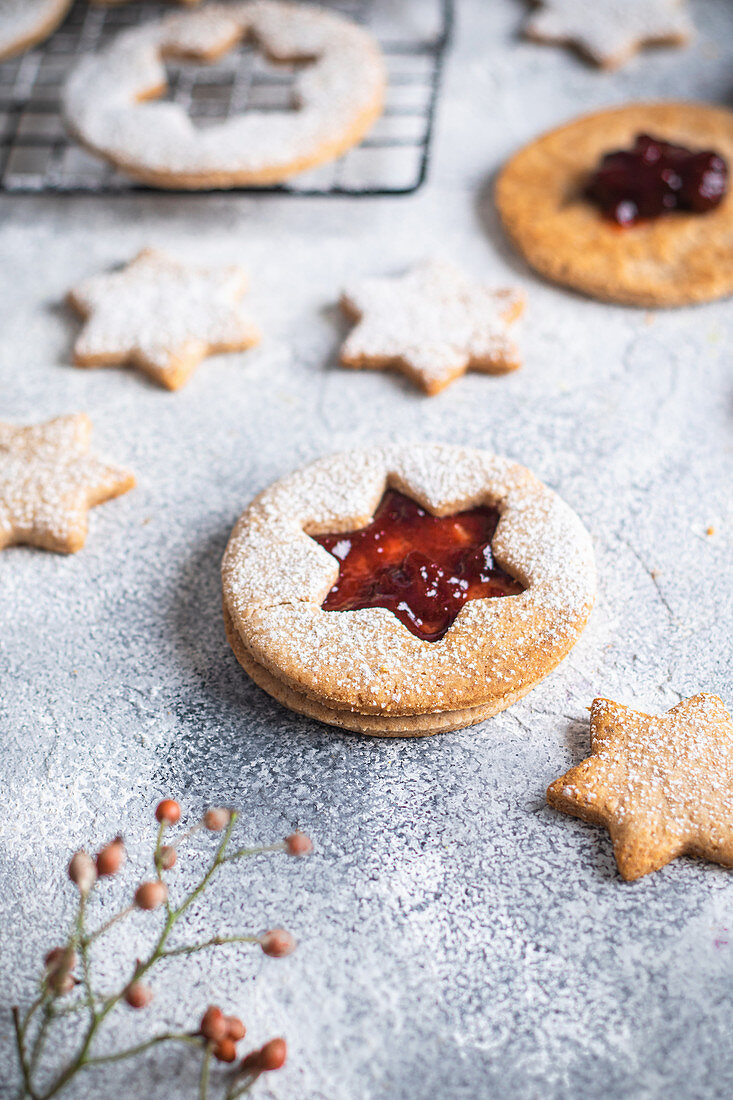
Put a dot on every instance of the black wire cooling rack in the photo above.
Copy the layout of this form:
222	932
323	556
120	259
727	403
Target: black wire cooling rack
37	155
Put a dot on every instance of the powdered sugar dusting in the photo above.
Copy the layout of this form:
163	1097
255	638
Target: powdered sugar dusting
24	22
275	579
611	30
434	323
338	93
159	314
662	784
48	481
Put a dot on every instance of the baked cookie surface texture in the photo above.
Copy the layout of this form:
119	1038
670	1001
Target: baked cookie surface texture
364	669
109	99
661	784
49	479
677	259
609	32
433	324
161	316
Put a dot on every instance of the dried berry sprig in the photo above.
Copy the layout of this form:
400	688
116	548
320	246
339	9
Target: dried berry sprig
68	967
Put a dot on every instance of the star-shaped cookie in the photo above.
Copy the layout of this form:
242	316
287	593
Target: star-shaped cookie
433	324
49	479
609	32
161	316
661	784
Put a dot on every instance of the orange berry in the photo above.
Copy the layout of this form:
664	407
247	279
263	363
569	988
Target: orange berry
167	857
60	958
235	1028
110	858
61	982
277	943
225	1051
213	1025
217	819
168	811
149	895
298	844
138	995
273	1055
82	871
250	1063
60	961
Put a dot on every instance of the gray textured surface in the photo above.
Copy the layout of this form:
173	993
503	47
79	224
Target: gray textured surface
457	938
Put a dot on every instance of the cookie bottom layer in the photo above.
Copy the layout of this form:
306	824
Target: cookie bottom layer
407	725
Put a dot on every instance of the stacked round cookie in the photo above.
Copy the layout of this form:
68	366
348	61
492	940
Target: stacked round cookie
363	669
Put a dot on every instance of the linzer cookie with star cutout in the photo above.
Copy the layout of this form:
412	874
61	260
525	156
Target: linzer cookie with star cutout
433	324
405	590
632	204
661	784
337	95
161	316
49	479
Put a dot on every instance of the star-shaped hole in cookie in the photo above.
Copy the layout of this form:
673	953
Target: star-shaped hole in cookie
433	324
423	568
161	316
661	784
49	479
609	32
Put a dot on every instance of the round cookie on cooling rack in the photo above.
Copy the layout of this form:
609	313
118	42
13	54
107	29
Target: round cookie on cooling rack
337	96
382	667
24	23
676	259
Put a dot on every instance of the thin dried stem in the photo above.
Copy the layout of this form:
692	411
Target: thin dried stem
204	1079
215	941
99	1007
106	926
165	1037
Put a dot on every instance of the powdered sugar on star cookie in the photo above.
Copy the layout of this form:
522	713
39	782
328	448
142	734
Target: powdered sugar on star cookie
337	96
661	784
609	32
49	479
23	23
433	324
161	316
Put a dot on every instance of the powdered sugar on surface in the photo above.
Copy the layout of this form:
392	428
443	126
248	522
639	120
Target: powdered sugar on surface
458	939
157	310
611	30
342	83
434	321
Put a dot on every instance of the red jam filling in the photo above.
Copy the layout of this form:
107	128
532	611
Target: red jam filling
654	177
422	568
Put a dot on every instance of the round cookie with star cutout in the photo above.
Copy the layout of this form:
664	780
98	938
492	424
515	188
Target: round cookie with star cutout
405	590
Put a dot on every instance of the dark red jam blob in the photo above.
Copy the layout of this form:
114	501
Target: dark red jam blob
422	568
654	177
